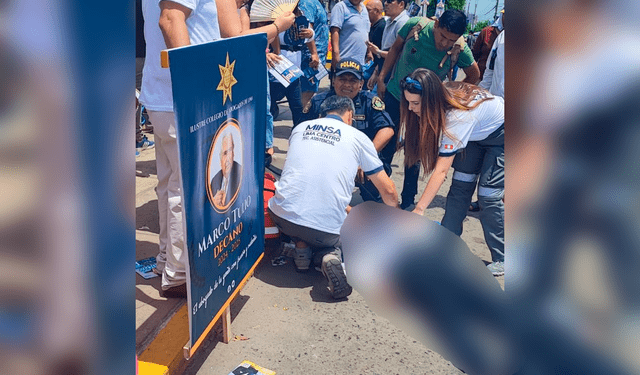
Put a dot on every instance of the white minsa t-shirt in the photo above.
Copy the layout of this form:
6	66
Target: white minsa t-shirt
318	176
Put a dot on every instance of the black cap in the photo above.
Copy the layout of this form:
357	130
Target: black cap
349	66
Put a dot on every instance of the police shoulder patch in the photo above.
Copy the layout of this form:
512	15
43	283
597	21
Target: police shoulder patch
377	104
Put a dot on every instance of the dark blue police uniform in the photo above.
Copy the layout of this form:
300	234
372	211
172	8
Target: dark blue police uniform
369	118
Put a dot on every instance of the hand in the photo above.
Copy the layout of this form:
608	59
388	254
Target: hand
382	88
372	48
335	59
306	33
373	80
348	209
315	61
360	176
272	59
368	57
285	21
219	198
418	211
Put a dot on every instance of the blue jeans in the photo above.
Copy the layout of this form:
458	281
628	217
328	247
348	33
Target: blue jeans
269	138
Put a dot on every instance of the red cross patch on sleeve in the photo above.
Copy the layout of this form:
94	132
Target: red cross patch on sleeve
448	147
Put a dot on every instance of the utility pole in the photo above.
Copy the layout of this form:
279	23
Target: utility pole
468	5
495	14
475	12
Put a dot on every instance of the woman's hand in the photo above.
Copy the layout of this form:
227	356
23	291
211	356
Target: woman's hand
418	211
272	59
285	21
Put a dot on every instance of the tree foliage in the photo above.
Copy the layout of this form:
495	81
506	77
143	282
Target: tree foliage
448	4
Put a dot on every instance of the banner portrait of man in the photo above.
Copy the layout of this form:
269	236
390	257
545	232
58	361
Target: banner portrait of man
225	165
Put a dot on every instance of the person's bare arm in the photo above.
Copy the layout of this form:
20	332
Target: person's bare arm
383	136
230	24
435	181
245	21
173	24
386	187
315	59
472	73
335	46
389	63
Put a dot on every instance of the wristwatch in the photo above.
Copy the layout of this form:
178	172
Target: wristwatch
378	53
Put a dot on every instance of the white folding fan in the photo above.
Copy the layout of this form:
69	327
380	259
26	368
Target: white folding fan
269	10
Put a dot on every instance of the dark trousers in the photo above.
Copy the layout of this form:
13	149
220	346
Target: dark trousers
412	172
321	243
294	97
480	163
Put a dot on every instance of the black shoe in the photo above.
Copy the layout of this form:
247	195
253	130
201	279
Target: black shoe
406	204
333	271
267	159
474	206
179	291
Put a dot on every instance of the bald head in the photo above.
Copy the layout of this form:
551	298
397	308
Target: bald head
374	7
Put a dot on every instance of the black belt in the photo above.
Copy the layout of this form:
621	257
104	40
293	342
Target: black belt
291	48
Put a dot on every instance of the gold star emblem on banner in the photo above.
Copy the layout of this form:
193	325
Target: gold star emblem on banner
227	80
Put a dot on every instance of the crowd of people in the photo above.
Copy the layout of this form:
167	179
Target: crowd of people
392	88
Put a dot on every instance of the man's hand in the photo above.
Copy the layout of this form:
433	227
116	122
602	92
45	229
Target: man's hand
219	198
418	211
273	59
382	88
372	48
306	33
315	61
368	57
371	83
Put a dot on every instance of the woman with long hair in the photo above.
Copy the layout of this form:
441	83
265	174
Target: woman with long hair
438	121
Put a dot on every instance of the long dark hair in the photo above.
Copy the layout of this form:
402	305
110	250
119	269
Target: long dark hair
422	133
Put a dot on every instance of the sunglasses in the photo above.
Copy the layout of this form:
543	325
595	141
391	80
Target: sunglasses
411	85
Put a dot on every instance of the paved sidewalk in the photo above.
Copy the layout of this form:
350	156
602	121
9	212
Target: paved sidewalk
159	319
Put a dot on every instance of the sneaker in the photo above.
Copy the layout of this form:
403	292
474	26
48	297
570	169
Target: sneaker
288	249
145	144
496	268
179	291
333	271
302	258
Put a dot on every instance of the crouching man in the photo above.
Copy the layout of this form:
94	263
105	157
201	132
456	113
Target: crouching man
312	197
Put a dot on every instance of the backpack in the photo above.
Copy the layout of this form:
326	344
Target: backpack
452	54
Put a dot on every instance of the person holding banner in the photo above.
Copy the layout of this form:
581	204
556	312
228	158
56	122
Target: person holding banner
313	194
171	24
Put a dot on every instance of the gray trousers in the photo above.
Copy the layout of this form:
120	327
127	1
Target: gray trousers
321	243
483	159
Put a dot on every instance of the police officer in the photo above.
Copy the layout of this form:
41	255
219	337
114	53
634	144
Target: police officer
370	117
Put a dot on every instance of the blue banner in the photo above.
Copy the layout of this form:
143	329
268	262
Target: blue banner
219	98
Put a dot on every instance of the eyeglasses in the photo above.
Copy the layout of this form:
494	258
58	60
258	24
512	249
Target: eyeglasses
411	85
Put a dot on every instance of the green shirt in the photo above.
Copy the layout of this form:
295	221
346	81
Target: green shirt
422	54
